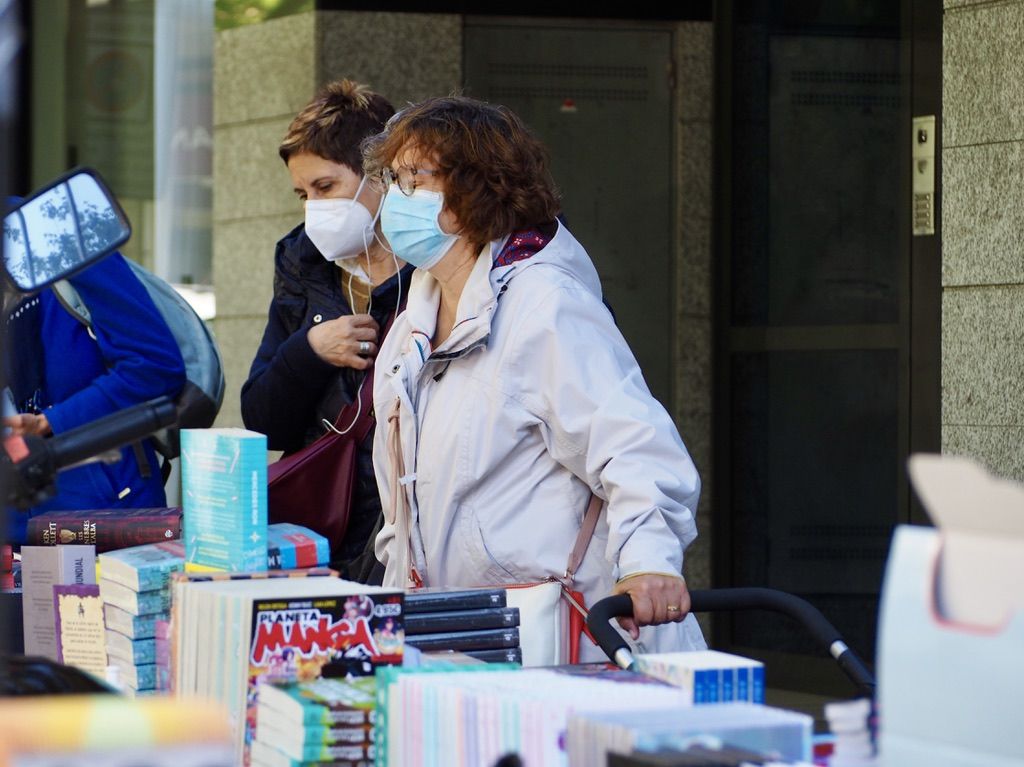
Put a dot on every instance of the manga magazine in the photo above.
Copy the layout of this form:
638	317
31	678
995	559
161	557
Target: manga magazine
297	640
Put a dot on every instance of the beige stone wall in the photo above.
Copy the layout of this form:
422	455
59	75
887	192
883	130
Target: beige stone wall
693	351
263	74
983	237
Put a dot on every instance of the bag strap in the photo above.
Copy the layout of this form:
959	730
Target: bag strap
399	509
579	550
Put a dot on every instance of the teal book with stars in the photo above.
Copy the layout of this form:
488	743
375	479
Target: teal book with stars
224	496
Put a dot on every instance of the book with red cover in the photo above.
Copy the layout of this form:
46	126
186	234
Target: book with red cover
106	529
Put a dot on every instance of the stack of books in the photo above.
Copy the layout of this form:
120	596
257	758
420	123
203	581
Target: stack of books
232	631
135	589
326	720
477	714
476	622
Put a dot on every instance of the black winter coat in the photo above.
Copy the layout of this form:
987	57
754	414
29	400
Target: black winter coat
290	389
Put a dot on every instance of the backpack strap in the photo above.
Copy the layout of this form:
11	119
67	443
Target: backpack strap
68	297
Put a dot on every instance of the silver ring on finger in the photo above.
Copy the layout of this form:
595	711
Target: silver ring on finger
672	608
364	347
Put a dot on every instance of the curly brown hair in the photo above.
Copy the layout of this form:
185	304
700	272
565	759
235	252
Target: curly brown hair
334	124
495	170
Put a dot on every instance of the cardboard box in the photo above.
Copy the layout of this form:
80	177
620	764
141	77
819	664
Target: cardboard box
951	637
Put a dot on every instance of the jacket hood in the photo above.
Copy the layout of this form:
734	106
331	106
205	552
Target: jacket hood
563	252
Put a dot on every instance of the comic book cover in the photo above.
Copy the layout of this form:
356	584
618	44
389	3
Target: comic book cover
299	640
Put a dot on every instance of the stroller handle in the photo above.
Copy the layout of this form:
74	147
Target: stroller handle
712	600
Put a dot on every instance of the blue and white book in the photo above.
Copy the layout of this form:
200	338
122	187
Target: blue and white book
224	495
132	626
709	676
138	677
143	568
136	651
290	546
134	602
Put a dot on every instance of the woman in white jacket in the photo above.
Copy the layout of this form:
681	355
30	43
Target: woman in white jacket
514	393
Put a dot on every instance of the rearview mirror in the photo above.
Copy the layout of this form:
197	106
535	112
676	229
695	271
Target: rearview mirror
61	229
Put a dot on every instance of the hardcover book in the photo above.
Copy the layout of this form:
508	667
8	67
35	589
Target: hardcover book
486	639
507	655
143	568
462	620
106	529
443	599
224	487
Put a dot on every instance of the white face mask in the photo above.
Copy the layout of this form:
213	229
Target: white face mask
341	228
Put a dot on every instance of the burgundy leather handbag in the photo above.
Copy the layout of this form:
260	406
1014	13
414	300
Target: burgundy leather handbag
313	487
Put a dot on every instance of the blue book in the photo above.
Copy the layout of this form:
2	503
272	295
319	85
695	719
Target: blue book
290	546
132	626
135	602
136	651
224	495
143	568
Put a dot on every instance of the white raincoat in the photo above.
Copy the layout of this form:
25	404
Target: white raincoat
531	403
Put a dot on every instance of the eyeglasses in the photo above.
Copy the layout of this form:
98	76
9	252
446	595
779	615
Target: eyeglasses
405	178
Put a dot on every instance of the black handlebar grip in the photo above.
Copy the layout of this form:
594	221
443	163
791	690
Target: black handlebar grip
110	432
608	639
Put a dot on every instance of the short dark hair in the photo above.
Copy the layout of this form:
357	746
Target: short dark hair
495	170
334	124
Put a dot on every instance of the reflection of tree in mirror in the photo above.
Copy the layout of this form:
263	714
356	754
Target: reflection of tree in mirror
14	252
59	252
100	227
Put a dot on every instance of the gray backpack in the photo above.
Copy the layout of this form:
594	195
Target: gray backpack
199	401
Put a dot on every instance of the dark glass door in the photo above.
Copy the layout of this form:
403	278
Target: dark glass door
827	367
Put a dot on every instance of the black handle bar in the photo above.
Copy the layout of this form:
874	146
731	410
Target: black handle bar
110	432
712	600
30	464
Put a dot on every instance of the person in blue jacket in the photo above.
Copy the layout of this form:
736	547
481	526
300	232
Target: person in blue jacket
63	375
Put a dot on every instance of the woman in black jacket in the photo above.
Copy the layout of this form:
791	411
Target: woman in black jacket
336	286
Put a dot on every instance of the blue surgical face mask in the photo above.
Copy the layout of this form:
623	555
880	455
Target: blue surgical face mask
411	227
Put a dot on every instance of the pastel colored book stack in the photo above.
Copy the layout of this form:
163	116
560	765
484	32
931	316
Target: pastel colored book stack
135	588
467	718
230	632
322	720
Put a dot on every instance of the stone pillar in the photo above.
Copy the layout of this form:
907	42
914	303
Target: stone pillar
693	337
263	75
983	237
